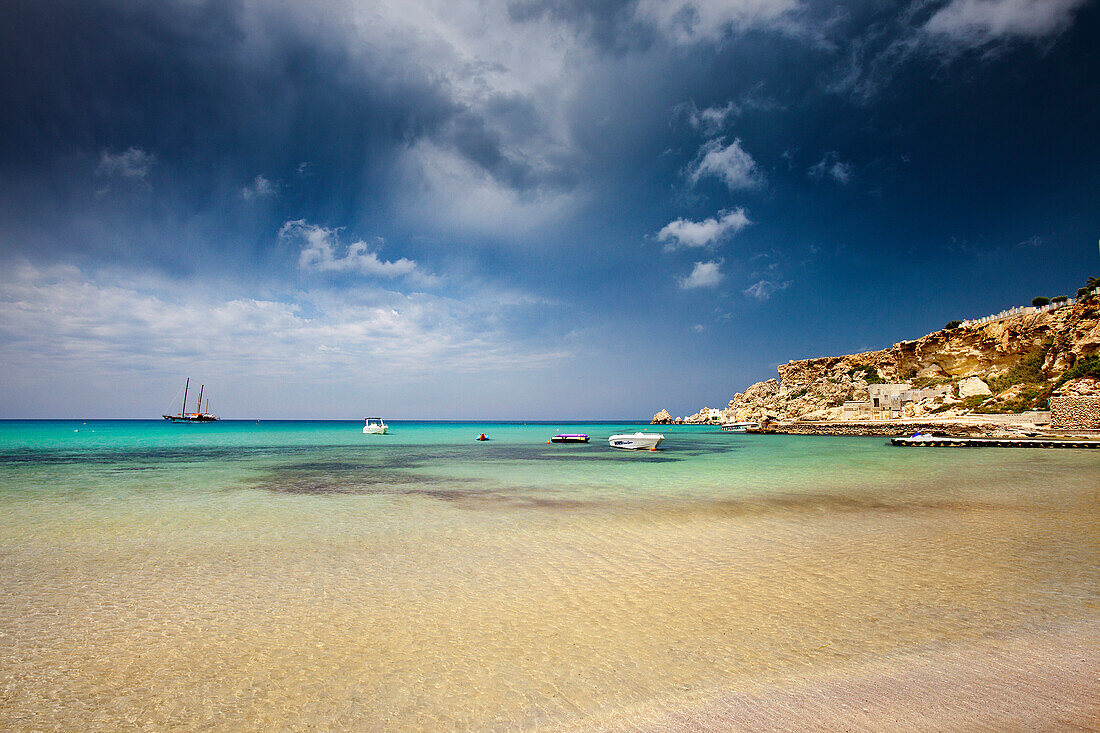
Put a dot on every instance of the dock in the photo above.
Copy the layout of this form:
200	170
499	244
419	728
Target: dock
932	441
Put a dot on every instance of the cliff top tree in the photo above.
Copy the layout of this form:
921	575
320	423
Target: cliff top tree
1092	282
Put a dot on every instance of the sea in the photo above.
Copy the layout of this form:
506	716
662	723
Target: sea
283	575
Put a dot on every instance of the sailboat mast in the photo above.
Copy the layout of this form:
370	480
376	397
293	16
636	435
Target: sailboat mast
183	410
198	405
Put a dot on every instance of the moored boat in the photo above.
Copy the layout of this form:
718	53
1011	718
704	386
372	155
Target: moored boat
569	438
374	426
198	415
739	427
636	441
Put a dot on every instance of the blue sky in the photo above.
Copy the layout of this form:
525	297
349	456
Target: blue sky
520	209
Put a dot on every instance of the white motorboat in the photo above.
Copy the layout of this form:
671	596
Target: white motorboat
739	427
636	441
375	426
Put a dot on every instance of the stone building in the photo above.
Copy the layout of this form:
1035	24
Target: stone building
857	410
916	395
887	401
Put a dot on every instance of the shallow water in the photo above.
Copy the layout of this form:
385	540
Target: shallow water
253	575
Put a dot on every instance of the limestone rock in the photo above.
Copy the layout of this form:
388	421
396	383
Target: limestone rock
1010	395
1080	387
662	418
967	355
972	387
754	403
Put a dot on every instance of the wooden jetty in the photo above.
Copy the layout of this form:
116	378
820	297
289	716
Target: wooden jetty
935	441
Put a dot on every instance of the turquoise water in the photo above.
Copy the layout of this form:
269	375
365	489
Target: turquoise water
256	575
693	460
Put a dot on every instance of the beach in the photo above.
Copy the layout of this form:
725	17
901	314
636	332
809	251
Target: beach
300	575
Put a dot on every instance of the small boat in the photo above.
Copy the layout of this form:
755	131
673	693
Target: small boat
569	438
198	415
636	441
481	437
739	427
374	426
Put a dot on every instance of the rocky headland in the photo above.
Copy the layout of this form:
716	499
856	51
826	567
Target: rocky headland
1001	366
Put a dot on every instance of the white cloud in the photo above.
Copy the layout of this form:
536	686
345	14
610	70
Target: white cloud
132	163
979	22
259	188
703	275
764	289
698	328
691	21
319	254
687	233
832	166
730	163
712	120
58	316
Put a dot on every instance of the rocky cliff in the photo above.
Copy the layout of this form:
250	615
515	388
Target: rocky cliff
1008	365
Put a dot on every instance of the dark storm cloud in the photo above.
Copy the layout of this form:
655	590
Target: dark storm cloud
229	101
214	92
88	75
185	77
198	80
471	135
221	93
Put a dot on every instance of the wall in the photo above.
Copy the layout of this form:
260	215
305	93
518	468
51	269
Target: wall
883	427
1018	310
1075	413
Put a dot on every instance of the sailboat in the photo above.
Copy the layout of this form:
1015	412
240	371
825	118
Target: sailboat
198	415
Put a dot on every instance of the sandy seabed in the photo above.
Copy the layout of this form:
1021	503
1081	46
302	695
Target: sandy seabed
812	616
293	598
1038	681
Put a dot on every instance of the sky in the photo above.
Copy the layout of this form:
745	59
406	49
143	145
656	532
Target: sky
521	209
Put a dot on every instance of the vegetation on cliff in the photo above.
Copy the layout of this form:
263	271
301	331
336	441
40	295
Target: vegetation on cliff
1087	367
